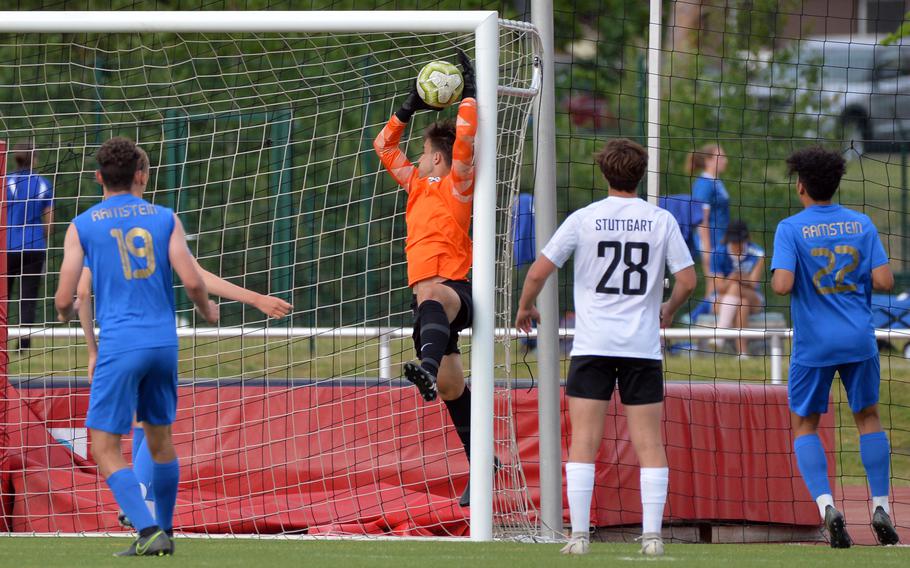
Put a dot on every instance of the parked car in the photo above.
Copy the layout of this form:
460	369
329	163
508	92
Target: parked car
858	89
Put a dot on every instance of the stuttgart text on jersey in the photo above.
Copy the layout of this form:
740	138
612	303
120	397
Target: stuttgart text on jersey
834	229
622	224
124	211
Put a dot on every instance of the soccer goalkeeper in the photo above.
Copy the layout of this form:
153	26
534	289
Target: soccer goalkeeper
438	217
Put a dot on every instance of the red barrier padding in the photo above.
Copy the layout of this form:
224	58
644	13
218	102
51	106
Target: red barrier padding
377	460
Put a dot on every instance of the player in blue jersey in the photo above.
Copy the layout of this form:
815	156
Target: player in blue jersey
829	258
29	218
270	306
130	246
709	162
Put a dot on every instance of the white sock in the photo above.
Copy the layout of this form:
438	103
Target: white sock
823	501
579	488
654	481
727	308
880	502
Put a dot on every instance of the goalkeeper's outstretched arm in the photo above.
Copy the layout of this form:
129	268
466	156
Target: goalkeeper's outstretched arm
386	144
465	131
463	149
391	156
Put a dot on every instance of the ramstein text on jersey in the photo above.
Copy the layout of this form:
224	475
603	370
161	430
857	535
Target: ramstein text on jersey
834	229
122	212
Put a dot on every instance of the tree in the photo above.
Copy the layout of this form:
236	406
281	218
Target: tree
901	32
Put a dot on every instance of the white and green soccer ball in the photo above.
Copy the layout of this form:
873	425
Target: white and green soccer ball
439	84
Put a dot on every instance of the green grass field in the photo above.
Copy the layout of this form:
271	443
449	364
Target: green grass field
95	552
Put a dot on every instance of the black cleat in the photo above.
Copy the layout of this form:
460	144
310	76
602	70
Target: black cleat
884	528
124	521
837	528
422	379
465	500
155	544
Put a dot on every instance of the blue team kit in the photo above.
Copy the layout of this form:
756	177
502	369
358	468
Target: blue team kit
832	251
712	192
125	240
27	195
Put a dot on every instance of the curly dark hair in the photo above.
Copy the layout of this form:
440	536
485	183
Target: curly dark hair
623	163
441	135
118	159
819	170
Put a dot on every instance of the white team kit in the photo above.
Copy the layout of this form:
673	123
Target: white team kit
622	247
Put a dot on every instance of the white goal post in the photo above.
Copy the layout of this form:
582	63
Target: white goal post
484	26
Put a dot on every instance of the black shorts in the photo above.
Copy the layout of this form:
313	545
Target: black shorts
462	320
641	381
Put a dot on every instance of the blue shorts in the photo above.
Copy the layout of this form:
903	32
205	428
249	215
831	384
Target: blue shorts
808	387
142	382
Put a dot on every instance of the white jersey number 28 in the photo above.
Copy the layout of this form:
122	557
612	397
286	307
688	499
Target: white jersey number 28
635	268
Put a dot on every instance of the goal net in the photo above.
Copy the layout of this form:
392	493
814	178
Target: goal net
754	81
262	144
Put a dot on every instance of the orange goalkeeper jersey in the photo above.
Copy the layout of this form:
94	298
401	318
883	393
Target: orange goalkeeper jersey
438	214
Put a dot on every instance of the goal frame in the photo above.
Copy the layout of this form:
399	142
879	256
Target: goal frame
485	27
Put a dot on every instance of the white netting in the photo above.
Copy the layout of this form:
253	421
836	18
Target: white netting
262	143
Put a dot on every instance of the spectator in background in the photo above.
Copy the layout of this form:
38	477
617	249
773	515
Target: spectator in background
708	163
737	266
687	212
29	214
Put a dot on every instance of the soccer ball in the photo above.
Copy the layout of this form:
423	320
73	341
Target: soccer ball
439	84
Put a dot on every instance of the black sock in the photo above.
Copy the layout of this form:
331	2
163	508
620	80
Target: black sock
149	531
460	411
434	335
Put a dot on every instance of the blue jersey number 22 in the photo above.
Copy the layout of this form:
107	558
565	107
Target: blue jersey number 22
840	275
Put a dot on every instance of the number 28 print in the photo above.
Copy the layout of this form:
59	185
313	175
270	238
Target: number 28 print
633	267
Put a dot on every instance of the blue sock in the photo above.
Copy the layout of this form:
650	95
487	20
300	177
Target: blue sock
142	466
876	455
813	465
166	477
126	491
138	439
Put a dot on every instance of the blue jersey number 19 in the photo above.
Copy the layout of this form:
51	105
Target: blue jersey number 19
127	248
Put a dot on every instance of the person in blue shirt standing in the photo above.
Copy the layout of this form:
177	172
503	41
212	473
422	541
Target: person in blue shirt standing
710	162
29	214
829	259
737	265
130	246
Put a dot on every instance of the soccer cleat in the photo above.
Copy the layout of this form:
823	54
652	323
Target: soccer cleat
124	521
155	544
465	500
884	528
837	528
170	537
579	543
652	544
422	379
